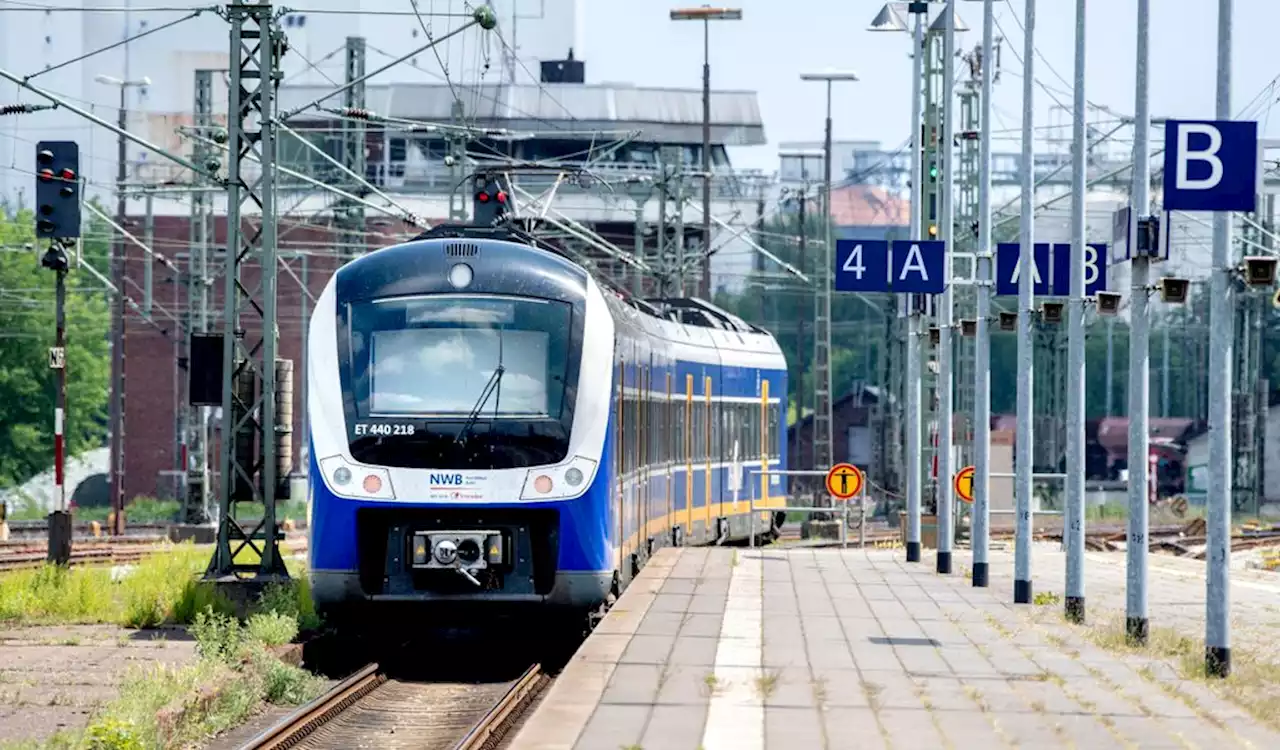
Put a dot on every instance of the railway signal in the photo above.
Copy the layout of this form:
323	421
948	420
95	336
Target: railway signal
57	190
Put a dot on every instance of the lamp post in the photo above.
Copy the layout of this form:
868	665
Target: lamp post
116	416
706	14
892	17
822	448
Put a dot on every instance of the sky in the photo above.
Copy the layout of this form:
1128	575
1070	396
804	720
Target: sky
779	39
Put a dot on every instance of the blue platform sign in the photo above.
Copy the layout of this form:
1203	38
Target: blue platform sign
1052	269
869	266
1211	165
862	266
1007	268
918	267
1095	269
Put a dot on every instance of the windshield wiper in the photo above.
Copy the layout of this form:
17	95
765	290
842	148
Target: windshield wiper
489	388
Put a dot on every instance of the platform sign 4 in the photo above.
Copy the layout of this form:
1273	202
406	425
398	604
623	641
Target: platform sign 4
1052	269
1211	165
862	266
903	267
964	484
844	481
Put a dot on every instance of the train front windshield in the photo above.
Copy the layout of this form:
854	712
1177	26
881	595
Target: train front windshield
460	381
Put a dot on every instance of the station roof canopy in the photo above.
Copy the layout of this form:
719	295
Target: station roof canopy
662	115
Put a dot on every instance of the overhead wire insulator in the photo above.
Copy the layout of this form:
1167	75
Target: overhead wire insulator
358	113
23	109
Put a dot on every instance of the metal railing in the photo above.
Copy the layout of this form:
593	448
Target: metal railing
842	510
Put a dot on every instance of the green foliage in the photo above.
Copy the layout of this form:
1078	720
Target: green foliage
27	332
160	587
782	304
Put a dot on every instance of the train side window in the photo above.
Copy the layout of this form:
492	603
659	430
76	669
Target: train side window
774	428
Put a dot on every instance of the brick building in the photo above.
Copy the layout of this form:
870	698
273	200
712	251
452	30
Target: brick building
154	382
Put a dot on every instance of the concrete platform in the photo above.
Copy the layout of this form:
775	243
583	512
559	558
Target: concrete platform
823	648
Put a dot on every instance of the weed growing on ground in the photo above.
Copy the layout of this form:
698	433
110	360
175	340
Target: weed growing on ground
1044	598
1254	684
162	707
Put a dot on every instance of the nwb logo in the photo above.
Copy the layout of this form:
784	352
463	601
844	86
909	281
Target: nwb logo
453	479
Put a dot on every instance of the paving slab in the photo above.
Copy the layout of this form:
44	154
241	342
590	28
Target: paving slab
828	648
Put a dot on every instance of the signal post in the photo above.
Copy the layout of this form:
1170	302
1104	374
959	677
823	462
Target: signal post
58	220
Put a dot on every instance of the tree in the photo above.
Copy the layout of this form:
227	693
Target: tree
27	332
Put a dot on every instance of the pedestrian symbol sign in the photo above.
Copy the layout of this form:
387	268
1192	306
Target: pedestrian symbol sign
844	481
964	484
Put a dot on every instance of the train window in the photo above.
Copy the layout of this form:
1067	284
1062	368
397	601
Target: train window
497	368
774	437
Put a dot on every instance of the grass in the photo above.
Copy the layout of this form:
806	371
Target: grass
233	675
148	510
1254	684
171	707
163	588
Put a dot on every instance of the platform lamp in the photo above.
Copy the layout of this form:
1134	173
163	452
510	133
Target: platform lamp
822	300
706	14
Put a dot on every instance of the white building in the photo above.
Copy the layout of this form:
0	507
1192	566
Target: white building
36	38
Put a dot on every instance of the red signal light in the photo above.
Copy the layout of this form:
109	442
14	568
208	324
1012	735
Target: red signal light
482	197
502	196
68	175
46	174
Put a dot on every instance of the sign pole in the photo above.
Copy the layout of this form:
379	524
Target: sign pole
1136	621
914	446
1218	579
1025	453
981	512
946	152
1074	599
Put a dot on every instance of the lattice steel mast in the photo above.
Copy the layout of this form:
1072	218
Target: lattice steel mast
249	467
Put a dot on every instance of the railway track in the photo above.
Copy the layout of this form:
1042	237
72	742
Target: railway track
369	710
113	551
96	555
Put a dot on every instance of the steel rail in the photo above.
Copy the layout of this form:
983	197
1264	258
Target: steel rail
304	720
497	720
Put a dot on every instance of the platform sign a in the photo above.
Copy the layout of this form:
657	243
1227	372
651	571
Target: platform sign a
917	267
1009	266
1211	165
844	481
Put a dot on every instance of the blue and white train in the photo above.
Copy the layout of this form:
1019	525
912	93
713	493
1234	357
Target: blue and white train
488	423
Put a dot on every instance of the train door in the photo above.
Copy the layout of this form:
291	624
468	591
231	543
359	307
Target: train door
707	413
668	428
619	451
642	471
688	454
764	442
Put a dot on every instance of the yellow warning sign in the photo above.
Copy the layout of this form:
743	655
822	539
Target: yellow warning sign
844	481
964	484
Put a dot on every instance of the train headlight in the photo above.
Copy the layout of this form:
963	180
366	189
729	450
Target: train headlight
569	479
445	552
374	484
460	276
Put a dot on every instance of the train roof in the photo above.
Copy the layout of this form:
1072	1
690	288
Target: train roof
682	311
